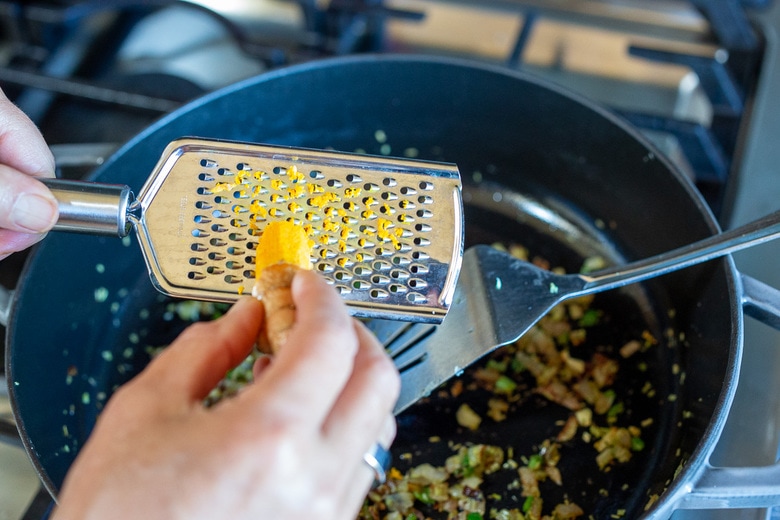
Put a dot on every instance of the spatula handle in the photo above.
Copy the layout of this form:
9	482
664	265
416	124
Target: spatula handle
91	207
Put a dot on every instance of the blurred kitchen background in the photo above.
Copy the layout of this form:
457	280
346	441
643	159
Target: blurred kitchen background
700	78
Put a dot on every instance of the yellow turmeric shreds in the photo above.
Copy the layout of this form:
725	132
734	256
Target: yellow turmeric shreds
294	174
320	201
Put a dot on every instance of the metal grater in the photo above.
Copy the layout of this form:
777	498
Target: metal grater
387	232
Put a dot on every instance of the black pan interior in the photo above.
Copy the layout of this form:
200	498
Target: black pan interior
502	129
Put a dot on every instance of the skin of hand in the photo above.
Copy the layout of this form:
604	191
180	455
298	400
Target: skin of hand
289	446
27	209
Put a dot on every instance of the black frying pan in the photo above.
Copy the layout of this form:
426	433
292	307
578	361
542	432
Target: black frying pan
84	309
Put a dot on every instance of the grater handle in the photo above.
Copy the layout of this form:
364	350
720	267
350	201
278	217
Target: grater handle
92	207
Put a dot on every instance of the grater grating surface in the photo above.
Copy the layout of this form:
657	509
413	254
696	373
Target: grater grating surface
387	233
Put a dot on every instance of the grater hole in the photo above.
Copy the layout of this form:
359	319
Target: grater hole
237	237
238	223
425	199
233	250
200	248
381	265
249	274
360	285
223	171
397	288
378	279
422	227
316	174
419	255
233	265
219	199
212	269
205	177
216	257
397	274
333	183
201	219
389	181
424	213
425	185
217	242
378	294
418	269
243	166
419	241
197	261
219	228
200	233
406	190
370	186
354	178
208	163
342	276
325	268
231	278
194	275
250	260
416	298
417	283
252	246
202	204
218	213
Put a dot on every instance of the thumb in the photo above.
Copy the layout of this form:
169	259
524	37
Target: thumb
26	205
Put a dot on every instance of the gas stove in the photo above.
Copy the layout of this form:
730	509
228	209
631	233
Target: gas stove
697	77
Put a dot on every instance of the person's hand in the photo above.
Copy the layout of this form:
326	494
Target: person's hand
27	209
289	446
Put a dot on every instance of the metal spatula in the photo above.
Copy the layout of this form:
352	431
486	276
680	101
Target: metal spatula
387	232
499	298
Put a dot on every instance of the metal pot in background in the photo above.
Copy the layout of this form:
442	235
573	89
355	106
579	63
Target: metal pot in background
537	161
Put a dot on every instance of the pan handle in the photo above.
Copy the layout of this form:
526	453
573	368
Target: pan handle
92	207
747	487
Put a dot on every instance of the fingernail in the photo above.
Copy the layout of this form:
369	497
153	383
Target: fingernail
34	213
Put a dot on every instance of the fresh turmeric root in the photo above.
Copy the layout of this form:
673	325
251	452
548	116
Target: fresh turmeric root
283	250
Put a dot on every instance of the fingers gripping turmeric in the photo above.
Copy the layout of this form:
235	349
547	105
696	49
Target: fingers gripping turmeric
284	249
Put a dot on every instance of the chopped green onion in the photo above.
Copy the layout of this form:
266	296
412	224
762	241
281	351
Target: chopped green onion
505	385
590	318
535	462
498	366
424	496
637	444
615	409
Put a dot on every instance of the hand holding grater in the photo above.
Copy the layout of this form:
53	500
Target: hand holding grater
387	232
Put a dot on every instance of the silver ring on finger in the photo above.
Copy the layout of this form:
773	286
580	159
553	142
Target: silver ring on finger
378	459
